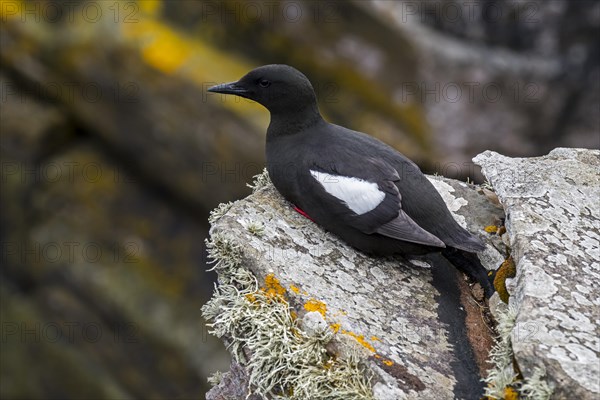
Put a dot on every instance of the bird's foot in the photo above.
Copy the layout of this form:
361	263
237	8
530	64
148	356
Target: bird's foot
301	212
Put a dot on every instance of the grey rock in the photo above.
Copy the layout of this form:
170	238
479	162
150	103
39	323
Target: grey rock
385	309
314	323
233	385
553	221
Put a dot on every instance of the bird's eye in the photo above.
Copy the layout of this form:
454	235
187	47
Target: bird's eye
263	83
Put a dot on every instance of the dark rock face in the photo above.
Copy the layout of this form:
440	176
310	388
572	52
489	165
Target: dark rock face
515	77
100	285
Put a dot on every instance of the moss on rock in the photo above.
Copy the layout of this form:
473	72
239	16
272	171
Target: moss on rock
283	360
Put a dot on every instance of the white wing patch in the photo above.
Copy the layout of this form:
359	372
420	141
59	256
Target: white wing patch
359	195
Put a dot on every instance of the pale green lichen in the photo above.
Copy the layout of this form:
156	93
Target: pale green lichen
503	375
487	185
536	387
215	378
219	212
282	360
261	180
255	229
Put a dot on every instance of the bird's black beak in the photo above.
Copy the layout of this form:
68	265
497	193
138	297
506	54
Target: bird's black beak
230	88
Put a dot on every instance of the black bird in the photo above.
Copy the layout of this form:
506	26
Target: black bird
350	183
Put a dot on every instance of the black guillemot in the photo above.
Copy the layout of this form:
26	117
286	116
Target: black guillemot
353	185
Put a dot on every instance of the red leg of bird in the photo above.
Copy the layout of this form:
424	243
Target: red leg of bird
299	211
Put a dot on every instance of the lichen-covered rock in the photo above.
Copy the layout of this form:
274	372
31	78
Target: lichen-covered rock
553	220
402	318
232	386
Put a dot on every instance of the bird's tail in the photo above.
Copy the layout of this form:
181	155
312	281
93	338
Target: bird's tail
469	264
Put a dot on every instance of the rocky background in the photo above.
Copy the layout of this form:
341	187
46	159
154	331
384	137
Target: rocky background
112	153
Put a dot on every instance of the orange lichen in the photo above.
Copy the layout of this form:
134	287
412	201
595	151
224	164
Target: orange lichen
510	394
297	290
251	297
272	287
491	229
506	270
361	340
316	305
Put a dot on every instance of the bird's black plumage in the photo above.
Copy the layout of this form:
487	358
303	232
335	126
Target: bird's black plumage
352	184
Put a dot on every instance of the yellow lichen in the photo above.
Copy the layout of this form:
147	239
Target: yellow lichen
375	339
510	394
335	327
316	305
361	340
272	287
389	363
491	229
506	270
297	290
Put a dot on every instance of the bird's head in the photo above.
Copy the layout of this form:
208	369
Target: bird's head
280	88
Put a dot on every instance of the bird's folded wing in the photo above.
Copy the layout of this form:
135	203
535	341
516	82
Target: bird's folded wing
404	228
366	198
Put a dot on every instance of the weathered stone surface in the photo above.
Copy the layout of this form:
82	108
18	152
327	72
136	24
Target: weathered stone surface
387	308
553	219
233	385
